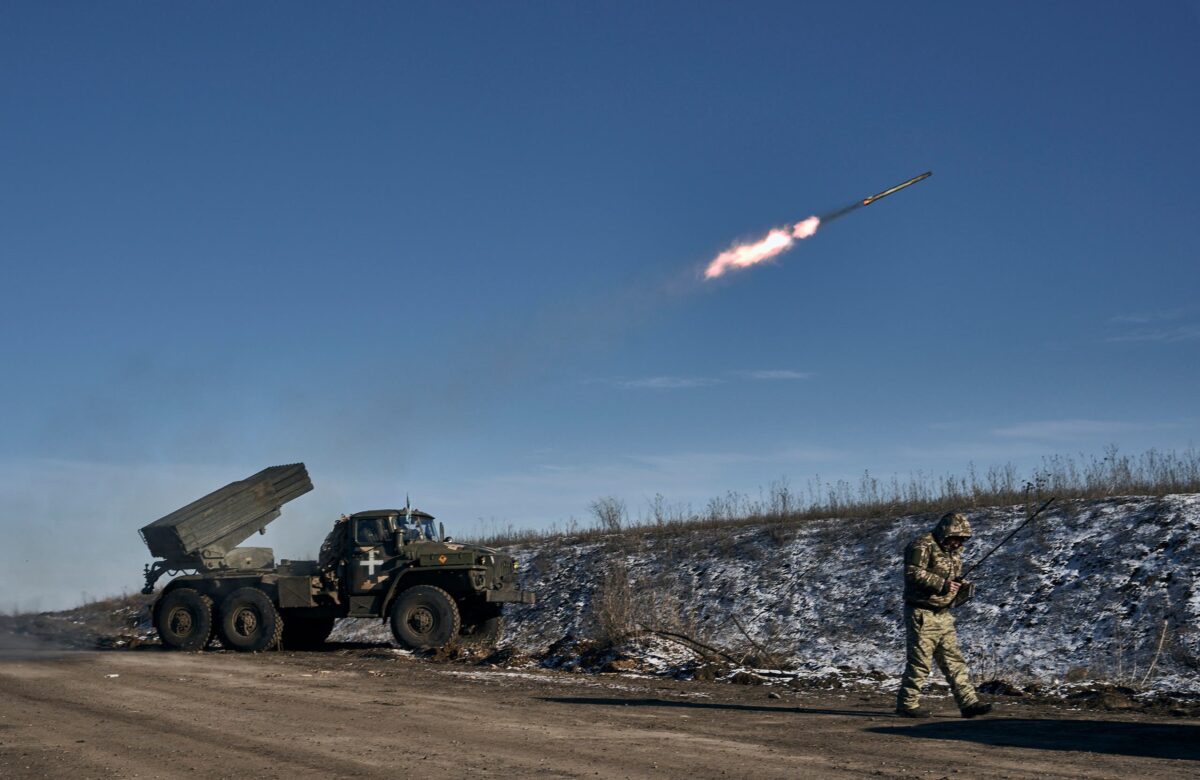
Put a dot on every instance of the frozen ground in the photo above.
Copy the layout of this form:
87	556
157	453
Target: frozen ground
1085	593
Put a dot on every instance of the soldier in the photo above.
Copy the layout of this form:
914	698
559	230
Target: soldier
333	548
932	566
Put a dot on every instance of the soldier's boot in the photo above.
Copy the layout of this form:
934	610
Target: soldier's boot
915	712
976	709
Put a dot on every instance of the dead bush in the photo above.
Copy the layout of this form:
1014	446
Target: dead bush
613	613
609	512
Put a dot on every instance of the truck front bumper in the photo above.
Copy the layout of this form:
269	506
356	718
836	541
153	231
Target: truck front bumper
511	595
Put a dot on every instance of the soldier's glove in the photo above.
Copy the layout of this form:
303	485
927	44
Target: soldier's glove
966	590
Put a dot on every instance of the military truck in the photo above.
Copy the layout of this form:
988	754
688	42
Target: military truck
392	564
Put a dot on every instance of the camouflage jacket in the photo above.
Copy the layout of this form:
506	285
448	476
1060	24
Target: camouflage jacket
334	545
927	567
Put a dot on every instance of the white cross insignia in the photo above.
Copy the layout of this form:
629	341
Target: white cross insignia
371	563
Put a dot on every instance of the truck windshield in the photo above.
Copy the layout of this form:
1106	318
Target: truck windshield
418	528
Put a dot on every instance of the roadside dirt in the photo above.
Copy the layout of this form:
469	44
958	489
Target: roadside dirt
370	712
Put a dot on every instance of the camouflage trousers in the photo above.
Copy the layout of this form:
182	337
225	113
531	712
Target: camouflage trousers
929	636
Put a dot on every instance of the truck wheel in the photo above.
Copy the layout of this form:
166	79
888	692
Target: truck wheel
305	633
184	619
483	626
249	621
425	617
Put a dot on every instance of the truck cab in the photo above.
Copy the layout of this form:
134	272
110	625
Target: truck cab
393	555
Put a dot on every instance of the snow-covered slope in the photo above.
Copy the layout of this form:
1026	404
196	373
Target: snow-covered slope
1081	592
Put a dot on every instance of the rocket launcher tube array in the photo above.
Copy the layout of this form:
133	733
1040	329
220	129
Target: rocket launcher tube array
217	523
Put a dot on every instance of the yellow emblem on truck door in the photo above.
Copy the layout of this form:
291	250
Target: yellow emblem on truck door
441	559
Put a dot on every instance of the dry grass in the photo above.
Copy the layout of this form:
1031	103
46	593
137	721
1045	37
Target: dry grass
614	614
1151	473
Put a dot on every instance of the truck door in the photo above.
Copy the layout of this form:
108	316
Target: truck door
373	557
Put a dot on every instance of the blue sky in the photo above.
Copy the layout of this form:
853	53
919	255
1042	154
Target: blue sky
454	252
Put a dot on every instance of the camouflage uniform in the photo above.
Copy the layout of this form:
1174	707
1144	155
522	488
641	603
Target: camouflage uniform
928	624
333	548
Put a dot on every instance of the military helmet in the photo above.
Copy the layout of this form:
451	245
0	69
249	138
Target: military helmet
953	524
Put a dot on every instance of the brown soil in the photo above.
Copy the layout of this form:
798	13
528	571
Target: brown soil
368	712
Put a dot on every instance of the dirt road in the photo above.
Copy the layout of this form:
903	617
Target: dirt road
369	712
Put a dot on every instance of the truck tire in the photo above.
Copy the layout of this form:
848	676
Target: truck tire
304	633
483	625
184	619
249	621
425	617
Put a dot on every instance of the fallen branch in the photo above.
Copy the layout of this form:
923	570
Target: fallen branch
1162	635
762	652
694	645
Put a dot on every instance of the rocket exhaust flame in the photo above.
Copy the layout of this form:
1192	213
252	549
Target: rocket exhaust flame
774	243
780	240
